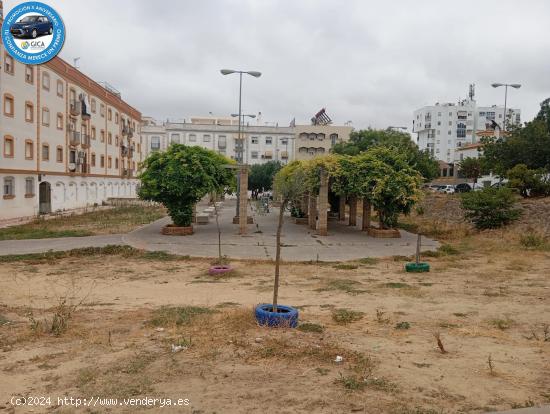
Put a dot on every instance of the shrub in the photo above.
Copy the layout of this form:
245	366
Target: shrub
490	208
529	182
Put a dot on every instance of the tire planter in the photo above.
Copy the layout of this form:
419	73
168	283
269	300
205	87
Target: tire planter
417	267
171	230
286	316
219	269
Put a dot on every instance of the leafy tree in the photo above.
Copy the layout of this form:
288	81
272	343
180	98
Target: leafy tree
490	208
529	182
362	140
471	168
544	113
181	176
289	185
261	176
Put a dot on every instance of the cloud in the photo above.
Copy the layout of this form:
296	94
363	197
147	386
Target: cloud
367	61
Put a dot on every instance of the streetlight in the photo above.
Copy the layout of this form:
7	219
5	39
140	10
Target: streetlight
513	85
245	159
239	153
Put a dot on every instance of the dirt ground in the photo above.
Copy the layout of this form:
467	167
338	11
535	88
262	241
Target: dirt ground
118	318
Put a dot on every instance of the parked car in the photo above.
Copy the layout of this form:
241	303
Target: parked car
463	188
447	189
433	187
32	26
499	185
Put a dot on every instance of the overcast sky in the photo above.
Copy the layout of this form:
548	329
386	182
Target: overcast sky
371	62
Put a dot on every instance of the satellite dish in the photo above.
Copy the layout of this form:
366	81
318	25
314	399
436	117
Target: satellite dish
72	166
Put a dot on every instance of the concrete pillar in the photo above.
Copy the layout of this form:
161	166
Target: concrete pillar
312	211
352	210
366	215
342	208
243	200
323	204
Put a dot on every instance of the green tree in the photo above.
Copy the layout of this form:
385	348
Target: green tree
363	140
471	168
544	112
261	176
490	208
181	176
529	182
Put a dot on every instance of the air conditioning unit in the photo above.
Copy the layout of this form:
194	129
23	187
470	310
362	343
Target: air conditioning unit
72	166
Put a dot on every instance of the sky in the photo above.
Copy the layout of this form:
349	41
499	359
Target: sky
369	62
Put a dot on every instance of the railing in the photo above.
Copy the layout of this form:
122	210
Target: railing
76	108
85	140
74	137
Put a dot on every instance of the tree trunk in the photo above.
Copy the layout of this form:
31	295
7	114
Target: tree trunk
219	235
278	255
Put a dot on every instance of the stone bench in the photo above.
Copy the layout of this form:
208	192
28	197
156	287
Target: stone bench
202	218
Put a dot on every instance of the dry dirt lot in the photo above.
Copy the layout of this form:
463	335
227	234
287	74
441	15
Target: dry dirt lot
488	301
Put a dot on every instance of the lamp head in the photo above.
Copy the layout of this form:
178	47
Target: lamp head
515	85
254	73
227	71
496	85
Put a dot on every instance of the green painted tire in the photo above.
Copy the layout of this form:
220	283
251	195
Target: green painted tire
417	268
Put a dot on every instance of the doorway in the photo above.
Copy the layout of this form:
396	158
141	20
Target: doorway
44	198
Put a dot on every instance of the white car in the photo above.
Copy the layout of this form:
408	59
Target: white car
447	189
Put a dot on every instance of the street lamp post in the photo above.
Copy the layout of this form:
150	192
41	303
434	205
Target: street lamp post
239	148
243	159
513	85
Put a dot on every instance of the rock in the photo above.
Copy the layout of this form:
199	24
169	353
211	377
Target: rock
258	340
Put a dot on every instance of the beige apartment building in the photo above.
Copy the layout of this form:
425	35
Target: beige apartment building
66	141
314	140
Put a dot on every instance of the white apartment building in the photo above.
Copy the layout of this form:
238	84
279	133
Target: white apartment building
262	143
443	128
67	142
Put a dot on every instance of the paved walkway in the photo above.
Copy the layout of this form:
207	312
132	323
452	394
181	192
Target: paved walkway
299	242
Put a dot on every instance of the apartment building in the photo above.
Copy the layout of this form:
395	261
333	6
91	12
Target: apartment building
315	140
443	128
67	141
261	143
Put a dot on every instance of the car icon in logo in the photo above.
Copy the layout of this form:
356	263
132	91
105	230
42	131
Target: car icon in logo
32	26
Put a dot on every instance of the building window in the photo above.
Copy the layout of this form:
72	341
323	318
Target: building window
333	139
93	106
116	140
206	138
222	142
461	130
155	143
116	117
45	152
102	161
29	74
59	121
8	147
254	155
102	136
60	88
268	140
93	159
93	133
192	138
8	64
29	112
116	163
255	140
102	110
72	156
59	154
45	117
8	105
9	187
109	162
284	141
109	114
175	138
29	187
46	81
29	149
110	138
449	132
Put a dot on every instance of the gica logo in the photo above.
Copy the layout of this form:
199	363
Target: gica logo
33	33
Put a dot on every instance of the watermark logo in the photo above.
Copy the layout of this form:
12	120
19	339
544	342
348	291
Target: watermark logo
33	33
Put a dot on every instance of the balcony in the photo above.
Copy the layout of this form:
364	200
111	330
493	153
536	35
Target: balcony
76	108
125	130
123	150
85	140
74	138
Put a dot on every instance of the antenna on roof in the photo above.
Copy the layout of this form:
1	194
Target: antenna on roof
472	92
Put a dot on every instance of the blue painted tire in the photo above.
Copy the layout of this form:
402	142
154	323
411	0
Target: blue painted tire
417	268
286	316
